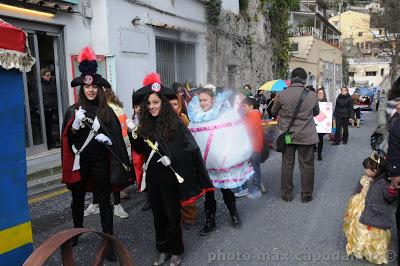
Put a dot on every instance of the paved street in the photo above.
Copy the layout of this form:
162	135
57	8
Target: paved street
273	232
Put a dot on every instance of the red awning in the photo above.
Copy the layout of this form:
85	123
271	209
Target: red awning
14	50
12	38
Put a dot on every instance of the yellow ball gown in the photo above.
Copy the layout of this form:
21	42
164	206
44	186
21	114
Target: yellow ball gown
362	240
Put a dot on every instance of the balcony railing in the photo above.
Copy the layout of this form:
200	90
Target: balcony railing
332	39
305	31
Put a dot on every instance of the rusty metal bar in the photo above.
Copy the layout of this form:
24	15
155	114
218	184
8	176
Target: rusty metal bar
101	253
63	239
67	253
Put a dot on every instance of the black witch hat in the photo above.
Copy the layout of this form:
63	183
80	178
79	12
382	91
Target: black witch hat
151	84
88	68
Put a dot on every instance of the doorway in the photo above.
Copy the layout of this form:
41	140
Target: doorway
43	108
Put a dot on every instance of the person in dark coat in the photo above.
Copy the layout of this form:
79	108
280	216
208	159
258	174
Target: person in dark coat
270	103
393	158
261	102
49	91
159	124
343	115
93	162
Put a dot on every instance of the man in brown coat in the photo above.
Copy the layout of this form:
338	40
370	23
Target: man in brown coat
303	132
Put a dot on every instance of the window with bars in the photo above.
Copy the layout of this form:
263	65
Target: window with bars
176	61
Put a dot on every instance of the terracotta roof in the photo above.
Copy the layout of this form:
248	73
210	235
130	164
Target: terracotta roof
44	5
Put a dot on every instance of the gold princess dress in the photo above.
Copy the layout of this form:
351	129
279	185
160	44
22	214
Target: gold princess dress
362	240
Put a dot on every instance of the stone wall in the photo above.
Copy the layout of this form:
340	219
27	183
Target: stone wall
239	49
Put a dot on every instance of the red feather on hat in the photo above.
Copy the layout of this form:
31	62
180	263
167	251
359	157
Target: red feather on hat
151	78
86	54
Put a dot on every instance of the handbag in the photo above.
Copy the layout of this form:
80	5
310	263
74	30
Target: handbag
285	137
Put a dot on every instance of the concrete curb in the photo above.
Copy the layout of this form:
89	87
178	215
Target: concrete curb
45	184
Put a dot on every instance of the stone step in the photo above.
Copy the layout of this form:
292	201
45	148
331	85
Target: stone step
44	184
43	161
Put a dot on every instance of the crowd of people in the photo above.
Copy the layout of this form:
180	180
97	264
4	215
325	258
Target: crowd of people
187	144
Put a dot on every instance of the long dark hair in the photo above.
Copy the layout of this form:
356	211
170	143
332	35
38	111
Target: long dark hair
112	98
162	127
395	90
102	110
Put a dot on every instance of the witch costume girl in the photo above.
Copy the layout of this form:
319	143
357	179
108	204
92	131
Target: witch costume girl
94	157
174	171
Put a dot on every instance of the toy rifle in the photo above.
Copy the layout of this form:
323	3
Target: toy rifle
154	148
86	122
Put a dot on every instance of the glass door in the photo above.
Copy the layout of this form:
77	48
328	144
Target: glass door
35	130
42	94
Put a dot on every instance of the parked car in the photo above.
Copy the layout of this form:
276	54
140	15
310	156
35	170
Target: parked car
366	98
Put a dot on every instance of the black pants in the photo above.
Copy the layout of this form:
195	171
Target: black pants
306	163
98	171
116	197
357	113
165	203
342	123
48	119
210	204
320	142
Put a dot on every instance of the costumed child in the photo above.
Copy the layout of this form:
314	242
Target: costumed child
93	160
189	212
367	219
238	99
226	148
254	125
137	159
116	105
174	171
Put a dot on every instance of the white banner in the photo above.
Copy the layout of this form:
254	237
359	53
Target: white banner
323	121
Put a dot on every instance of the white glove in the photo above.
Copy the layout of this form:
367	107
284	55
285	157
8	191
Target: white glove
79	116
103	139
165	161
130	124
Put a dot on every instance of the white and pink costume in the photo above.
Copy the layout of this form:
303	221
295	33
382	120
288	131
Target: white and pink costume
223	140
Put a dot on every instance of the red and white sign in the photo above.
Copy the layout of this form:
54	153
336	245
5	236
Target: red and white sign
323	121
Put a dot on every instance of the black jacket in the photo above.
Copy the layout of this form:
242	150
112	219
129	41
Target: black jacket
260	98
344	107
186	159
119	176
49	91
377	212
393	155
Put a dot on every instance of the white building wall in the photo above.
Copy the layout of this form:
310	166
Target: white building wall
99	34
360	70
135	60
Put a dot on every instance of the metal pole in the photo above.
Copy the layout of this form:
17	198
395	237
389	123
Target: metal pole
334	73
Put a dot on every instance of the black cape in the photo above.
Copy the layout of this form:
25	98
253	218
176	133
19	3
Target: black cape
186	159
118	174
